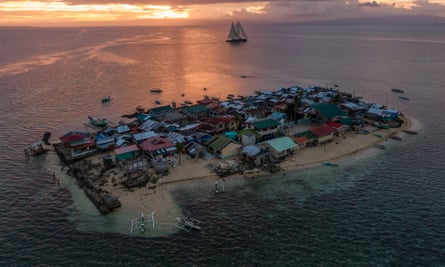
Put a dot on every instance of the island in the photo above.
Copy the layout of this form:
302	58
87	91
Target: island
135	162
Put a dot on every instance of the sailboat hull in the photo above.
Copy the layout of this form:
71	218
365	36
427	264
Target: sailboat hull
236	40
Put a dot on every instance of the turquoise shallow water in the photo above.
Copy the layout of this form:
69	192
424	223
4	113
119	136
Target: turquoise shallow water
380	208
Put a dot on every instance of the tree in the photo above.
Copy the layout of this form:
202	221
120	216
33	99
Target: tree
290	111
179	149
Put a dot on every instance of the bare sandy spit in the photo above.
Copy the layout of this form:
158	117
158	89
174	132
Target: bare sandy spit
192	173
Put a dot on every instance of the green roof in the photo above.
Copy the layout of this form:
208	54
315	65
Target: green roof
328	110
218	142
197	109
160	109
281	144
349	121
248	131
264	124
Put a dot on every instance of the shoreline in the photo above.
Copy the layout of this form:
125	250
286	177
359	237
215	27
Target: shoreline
190	172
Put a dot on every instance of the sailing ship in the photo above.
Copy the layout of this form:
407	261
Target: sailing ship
236	33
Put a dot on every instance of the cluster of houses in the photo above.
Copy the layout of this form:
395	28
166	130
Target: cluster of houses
253	129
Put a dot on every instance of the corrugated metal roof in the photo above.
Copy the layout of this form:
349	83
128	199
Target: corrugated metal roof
328	110
126	149
197	109
281	144
264	124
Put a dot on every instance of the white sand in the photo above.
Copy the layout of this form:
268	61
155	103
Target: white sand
191	172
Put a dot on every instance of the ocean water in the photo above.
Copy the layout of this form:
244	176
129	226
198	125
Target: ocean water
380	208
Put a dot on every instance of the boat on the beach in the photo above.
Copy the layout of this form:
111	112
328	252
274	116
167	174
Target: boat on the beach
403	97
327	163
141	222
236	33
380	146
157	102
409	131
156	90
395	137
188	224
397	90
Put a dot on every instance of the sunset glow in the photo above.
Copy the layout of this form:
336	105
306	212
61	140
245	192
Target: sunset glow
146	12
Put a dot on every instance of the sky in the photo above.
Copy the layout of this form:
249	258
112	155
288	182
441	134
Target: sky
172	12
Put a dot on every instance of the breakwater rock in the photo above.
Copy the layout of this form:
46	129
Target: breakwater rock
103	200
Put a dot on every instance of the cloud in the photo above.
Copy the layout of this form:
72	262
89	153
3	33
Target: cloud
273	10
370	4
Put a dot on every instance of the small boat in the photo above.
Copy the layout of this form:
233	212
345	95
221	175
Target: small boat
327	163
403	97
243	76
106	99
380	146
158	102
156	90
141	222
98	122
188	103
188	224
395	137
397	90
35	149
236	33
409	131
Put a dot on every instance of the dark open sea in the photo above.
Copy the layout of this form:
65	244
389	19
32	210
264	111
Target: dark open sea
381	208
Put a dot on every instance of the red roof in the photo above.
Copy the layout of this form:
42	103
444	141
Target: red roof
126	149
71	137
156	143
322	131
300	140
333	124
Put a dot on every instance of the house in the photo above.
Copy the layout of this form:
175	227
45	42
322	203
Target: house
304	139
382	114
122	129
150	125
188	129
79	144
267	129
248	136
327	111
222	123
338	127
159	110
158	146
223	147
142	136
104	142
127	152
324	133
197	111
255	155
280	147
195	150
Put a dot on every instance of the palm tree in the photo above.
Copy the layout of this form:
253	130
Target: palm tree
237	121
290	111
179	149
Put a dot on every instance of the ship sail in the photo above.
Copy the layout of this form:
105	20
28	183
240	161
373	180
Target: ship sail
236	33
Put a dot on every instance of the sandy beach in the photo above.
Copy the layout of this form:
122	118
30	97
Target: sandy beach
189	172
